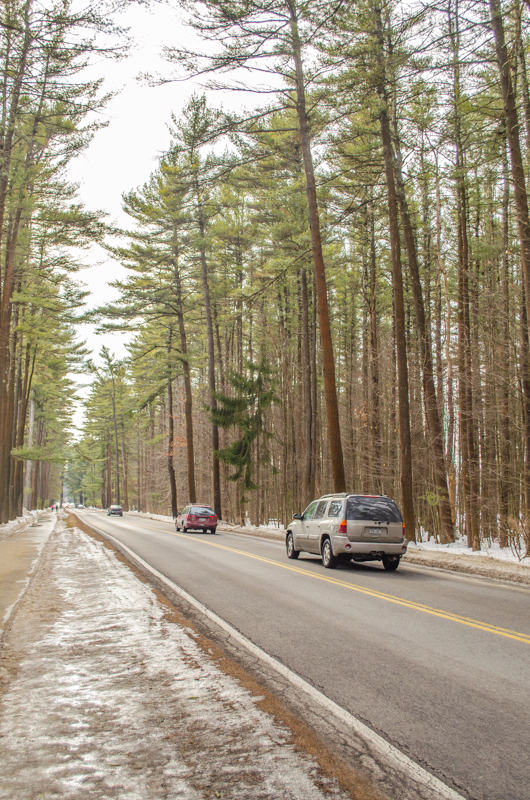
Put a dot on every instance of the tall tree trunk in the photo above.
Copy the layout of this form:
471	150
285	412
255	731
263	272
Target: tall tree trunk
374	353
308	408
188	401
505	463
171	430
139	470
29	464
429	391
519	183
399	304
468	454
116	440
216	476
19	470
328	360
125	469
109	471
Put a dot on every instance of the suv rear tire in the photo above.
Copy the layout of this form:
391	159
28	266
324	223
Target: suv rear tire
328	559
390	563
289	545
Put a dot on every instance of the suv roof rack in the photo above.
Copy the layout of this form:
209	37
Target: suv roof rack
350	494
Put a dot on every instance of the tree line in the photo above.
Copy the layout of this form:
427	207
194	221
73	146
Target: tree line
45	101
354	248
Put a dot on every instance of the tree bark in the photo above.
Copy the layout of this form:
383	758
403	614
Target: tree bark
519	184
374	354
216	476
429	391
188	401
328	360
306	377
399	304
171	430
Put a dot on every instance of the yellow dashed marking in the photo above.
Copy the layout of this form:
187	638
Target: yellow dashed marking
390	598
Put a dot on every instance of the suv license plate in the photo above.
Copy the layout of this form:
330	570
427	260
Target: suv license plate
202	519
375	531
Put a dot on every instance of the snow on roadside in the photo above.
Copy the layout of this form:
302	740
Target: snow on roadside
458	548
15	525
110	699
493	551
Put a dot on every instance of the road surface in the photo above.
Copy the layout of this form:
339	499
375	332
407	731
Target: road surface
436	663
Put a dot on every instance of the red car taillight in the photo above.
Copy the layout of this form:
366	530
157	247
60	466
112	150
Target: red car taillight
343	526
213	518
404	532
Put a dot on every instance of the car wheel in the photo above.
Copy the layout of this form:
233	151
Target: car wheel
390	563
328	559
289	545
212	530
184	529
177	528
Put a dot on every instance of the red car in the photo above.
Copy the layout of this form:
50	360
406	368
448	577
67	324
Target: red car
197	517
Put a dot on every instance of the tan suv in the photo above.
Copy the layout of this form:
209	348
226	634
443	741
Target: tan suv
349	527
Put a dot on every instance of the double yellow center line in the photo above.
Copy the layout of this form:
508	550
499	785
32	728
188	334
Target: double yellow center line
390	598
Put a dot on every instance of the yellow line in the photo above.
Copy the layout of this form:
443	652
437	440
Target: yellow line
472	623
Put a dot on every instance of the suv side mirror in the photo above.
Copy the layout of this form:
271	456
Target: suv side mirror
298	516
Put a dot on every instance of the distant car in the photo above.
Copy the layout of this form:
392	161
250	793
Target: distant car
117	510
197	517
349	527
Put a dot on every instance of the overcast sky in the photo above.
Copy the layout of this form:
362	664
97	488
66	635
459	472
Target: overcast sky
122	156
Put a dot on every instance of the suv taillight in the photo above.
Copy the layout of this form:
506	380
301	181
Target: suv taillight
213	518
404	532
342	526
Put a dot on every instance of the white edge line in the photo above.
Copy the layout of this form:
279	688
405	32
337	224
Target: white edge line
394	757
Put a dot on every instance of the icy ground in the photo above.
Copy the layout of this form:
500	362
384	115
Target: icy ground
104	695
8	528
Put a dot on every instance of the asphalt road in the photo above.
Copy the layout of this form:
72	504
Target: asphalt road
437	663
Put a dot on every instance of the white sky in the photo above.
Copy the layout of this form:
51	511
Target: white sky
122	156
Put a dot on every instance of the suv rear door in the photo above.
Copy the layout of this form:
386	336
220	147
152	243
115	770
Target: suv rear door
373	519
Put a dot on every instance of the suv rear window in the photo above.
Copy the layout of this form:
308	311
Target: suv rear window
202	510
378	509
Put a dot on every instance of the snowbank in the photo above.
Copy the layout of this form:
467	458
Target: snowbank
460	548
28	518
107	695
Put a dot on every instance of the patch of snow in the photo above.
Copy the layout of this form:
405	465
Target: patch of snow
111	699
18	524
460	548
493	551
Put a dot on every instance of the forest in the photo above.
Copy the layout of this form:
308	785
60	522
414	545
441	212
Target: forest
326	290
